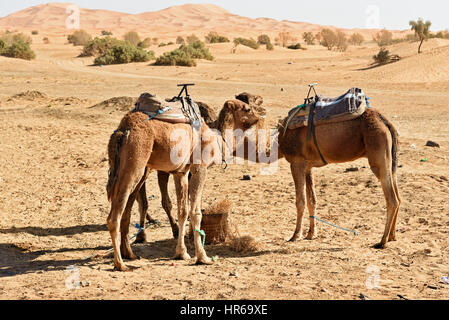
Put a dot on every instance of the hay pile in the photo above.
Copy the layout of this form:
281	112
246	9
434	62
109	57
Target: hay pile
219	229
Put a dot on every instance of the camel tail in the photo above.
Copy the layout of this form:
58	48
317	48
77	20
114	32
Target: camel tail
114	146
395	145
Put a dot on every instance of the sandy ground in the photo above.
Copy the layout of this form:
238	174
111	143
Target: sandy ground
53	171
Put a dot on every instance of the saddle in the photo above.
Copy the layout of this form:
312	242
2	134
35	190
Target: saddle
176	110
348	106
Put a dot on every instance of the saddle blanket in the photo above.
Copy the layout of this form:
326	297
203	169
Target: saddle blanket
348	106
176	110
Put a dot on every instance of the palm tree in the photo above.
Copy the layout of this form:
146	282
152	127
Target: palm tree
421	30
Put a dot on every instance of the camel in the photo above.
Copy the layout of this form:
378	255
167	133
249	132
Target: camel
369	136
139	146
211	120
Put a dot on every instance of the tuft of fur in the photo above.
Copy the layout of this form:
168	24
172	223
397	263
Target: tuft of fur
114	146
395	140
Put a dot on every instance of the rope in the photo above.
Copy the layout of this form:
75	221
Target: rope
203	234
335	226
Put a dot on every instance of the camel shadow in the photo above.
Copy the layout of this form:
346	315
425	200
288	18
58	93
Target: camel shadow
68	231
164	250
15	261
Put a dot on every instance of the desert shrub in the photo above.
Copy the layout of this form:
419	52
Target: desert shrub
162	44
46	40
185	55
99	46
11	37
439	35
383	38
356	39
247	42
79	38
180	40
309	38
284	38
155	41
192	39
263	39
384	57
106	33
296	46
342	41
2	46
132	37
328	39
146	43
214	37
270	46
34	32
20	50
124	53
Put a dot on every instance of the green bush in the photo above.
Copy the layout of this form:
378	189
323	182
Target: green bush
192	39
124	53
11	37
270	46
263	39
20	50
356	39
384	57
309	38
383	38
185	55
214	37
146	43
79	38
247	42
295	46
328	38
2	46
99	46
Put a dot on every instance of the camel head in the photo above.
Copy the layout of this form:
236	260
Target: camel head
237	114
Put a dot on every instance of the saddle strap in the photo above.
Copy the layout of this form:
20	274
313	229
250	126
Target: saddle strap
311	131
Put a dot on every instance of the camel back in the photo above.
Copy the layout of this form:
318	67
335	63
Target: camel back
348	106
177	110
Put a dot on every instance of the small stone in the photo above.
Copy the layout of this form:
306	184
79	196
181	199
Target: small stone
246	178
234	274
355	169
363	297
432	144
85	284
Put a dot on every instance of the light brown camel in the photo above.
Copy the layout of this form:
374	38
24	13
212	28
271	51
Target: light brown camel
370	136
139	146
211	119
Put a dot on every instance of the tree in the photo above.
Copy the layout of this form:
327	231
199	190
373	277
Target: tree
421	29
132	37
383	38
285	38
356	39
328	39
309	38
79	38
214	37
263	39
341	41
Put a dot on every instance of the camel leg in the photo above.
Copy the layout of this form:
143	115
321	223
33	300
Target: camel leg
395	219
298	172
143	209
162	178
311	204
120	203
125	247
182	185
196	185
386	178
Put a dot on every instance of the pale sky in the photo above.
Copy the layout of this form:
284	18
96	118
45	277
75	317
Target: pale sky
390	14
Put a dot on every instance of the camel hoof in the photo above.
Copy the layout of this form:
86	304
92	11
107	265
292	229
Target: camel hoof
182	256
121	268
380	246
205	261
294	239
141	238
311	236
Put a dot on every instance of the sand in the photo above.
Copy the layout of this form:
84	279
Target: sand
53	172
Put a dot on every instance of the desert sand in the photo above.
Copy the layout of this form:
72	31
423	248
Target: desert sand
53	173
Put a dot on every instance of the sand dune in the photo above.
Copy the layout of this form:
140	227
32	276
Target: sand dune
173	21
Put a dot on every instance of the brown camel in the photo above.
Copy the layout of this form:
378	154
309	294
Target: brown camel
139	146
211	119
370	136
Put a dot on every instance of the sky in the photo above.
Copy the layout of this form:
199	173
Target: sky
389	14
